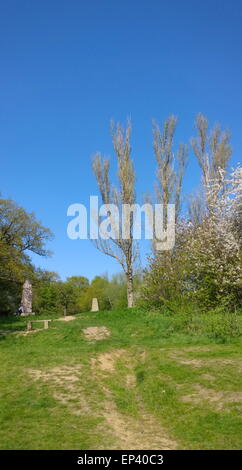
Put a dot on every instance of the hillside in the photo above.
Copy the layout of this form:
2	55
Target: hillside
124	379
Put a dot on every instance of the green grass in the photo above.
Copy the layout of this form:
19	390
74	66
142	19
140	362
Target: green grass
186	380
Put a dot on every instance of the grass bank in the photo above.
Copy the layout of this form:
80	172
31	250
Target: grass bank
126	379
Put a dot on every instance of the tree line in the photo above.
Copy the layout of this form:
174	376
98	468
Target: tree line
203	267
205	264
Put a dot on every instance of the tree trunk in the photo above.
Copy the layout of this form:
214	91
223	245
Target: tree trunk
130	289
65	311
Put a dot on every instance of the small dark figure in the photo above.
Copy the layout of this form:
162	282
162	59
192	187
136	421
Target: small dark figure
19	310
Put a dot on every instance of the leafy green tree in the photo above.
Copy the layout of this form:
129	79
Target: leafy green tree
46	298
79	283
98	289
79	286
66	296
20	234
20	229
45	293
205	264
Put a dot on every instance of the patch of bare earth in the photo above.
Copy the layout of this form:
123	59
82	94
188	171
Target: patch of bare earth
106	361
21	333
143	433
196	348
217	398
96	333
65	382
187	361
6	332
66	318
208	377
130	380
142	356
30	332
182	356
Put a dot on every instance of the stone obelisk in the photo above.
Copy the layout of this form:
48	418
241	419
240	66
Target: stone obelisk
95	307
27	296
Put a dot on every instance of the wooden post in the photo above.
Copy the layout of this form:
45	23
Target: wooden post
29	326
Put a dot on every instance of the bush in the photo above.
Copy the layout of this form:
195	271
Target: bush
225	327
218	324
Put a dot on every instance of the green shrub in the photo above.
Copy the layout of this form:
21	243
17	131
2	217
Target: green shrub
225	327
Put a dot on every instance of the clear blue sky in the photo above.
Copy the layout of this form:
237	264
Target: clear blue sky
68	67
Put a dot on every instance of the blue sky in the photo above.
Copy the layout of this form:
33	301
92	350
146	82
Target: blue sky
68	67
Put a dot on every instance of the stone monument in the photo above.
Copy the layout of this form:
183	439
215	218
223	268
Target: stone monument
95	307
27	296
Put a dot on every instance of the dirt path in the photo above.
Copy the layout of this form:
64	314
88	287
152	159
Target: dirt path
142	433
66	318
67	384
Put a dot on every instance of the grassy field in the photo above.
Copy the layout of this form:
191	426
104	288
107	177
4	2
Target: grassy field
138	383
